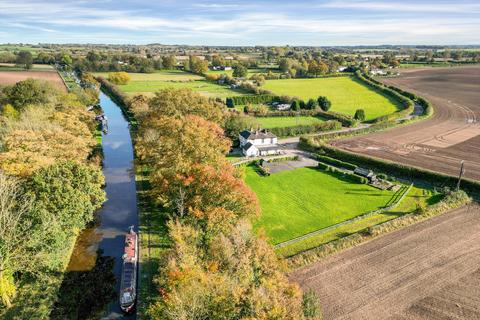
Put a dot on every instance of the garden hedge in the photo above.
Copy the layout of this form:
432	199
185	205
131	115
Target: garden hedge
306	129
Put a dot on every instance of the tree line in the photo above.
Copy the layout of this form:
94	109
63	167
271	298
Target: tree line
216	267
50	186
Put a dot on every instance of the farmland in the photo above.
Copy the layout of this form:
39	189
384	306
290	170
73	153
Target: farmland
152	82
11	77
452	134
426	271
345	93
278	122
304	200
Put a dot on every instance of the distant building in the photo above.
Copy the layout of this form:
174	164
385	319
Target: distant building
378	72
342	69
282	107
256	143
366	173
227	68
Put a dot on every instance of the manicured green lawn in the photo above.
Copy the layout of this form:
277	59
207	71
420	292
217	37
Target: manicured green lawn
280	122
304	200
162	75
345	93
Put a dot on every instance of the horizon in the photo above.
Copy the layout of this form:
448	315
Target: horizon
328	23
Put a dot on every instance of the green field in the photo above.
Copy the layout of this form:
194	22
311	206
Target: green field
345	93
148	83
280	122
163	75
35	67
250	71
304	200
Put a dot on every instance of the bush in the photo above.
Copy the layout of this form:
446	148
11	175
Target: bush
119	78
312	104
336	162
230	103
311	305
359	115
324	103
295	106
305	129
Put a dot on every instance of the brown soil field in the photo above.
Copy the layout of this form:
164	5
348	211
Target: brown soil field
11	77
452	134
430	270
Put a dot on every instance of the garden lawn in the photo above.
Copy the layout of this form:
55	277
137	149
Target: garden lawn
303	200
281	122
345	93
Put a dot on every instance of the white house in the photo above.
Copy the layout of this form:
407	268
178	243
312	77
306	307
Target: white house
256	143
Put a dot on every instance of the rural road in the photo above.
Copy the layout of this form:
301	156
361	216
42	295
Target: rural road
452	134
430	270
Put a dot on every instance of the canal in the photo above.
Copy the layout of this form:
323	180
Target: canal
120	210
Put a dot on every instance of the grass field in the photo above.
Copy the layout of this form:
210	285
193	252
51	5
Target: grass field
346	94
201	86
304	200
250	71
163	75
280	122
148	83
409	203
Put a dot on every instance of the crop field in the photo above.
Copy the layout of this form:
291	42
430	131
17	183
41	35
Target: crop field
452	134
345	93
281	122
11	77
303	200
429	270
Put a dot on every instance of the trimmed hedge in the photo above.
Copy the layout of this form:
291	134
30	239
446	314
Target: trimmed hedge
306	129
406	102
335	162
350	176
394	169
256	99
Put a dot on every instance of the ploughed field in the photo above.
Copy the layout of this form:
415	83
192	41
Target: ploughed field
346	94
11	77
430	270
452	134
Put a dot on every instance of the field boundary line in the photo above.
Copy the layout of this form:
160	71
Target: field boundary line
357	218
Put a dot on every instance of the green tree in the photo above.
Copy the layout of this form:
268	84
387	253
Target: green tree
324	103
359	115
29	91
230	103
25	59
169	62
240	71
295	106
312	104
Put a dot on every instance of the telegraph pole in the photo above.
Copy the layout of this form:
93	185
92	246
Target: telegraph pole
462	171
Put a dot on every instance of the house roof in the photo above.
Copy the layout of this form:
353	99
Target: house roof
268	147
257	134
363	172
247	146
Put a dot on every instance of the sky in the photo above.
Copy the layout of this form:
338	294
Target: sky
241	22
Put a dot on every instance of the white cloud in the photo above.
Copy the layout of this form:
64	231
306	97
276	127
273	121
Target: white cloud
403	6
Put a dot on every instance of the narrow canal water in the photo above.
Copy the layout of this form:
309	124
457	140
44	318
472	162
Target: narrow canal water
120	210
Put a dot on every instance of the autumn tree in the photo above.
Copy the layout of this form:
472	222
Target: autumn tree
119	78
181	102
14	228
169	62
